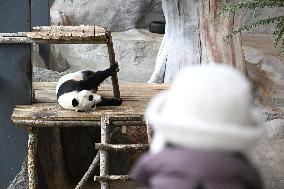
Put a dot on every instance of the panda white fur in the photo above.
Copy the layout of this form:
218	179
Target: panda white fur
77	91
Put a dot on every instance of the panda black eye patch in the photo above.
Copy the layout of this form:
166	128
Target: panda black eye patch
75	102
91	98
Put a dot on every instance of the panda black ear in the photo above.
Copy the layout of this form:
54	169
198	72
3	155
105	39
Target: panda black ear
74	102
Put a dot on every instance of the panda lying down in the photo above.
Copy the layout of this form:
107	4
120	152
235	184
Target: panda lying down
77	91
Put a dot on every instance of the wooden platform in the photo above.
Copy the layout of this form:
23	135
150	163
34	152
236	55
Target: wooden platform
59	34
46	110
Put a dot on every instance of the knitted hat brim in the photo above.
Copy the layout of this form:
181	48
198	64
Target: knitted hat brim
197	133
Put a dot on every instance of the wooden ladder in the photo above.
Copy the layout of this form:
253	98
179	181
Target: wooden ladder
103	155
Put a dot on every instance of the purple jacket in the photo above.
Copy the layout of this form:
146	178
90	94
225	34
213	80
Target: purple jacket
176	168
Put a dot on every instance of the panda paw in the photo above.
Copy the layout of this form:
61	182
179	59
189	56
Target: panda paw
118	101
115	67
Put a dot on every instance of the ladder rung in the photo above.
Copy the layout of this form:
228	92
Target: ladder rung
112	178
121	147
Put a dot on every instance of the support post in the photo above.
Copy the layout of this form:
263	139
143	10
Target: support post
149	132
105	139
32	160
111	54
90	171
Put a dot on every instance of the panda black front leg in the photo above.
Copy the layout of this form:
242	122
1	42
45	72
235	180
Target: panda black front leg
98	77
110	102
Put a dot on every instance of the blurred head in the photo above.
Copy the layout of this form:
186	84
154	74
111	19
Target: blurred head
207	107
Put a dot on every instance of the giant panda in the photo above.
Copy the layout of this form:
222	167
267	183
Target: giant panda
77	91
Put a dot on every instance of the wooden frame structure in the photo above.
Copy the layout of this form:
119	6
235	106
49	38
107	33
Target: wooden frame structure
67	35
45	112
60	35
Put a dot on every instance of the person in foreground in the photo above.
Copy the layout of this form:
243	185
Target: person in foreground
203	127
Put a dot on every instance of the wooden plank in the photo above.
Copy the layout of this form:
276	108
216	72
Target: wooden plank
13	40
45	92
46	110
68	40
62	32
99	29
77	31
121	147
58	35
19	34
110	178
36	28
67	28
66	31
135	96
125	86
41	28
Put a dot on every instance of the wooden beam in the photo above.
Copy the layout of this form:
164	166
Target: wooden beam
112	178
121	147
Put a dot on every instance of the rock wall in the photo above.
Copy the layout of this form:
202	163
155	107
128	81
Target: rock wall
265	67
121	15
268	154
118	15
135	50
262	14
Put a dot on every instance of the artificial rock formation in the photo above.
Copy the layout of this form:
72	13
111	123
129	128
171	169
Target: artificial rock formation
265	68
267	155
135	51
55	60
118	15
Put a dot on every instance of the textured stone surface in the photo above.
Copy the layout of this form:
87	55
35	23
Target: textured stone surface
268	154
275	129
135	50
266	68
41	75
262	14
268	159
55	61
118	15
21	180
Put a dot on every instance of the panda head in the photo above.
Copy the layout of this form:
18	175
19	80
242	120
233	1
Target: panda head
85	100
80	101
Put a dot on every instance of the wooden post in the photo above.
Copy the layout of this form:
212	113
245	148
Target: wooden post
90	171
194	35
111	54
32	159
149	132
105	139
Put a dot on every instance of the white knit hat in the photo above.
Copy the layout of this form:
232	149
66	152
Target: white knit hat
207	107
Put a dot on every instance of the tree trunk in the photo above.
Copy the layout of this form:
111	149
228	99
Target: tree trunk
195	35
